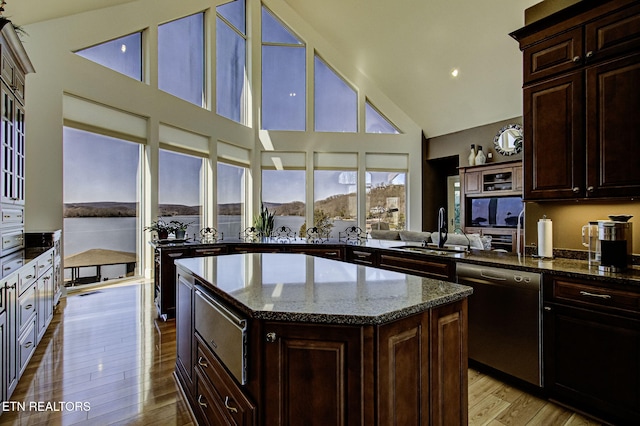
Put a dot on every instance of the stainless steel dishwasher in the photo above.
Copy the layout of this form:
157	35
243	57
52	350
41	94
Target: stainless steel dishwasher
505	318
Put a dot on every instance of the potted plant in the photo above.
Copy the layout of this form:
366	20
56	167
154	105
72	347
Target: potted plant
179	229
263	222
161	228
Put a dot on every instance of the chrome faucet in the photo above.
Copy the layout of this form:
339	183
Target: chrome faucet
442	227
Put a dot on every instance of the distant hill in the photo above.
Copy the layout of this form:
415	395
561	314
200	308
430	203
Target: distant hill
118	209
337	205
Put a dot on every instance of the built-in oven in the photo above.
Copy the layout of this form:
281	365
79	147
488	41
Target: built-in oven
505	319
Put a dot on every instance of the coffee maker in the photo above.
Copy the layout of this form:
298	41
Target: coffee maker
615	237
609	243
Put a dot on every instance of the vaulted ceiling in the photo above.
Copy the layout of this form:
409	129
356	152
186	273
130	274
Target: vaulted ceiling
408	48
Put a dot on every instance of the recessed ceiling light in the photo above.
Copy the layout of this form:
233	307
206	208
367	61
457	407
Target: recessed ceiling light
455	72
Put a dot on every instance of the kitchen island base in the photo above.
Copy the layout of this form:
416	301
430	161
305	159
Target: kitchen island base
407	370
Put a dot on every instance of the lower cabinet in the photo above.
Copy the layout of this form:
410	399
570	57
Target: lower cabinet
592	348
219	399
185	355
28	301
3	350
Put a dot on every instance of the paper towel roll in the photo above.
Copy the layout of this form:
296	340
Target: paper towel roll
545	238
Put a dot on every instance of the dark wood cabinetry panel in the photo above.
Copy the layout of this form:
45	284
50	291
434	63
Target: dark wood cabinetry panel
313	375
554	158
581	102
613	150
418	265
449	358
185	354
219	399
592	348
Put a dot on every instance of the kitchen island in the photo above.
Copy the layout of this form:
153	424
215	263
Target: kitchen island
283	338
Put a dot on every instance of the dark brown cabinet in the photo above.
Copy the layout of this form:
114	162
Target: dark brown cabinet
581	100
592	348
185	352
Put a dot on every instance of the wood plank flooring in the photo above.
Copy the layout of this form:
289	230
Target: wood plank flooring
107	351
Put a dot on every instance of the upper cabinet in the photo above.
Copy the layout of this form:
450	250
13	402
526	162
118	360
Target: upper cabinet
581	102
14	65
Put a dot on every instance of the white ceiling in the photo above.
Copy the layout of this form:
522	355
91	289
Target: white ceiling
406	47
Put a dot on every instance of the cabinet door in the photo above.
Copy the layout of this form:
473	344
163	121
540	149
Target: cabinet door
554	161
13	148
592	360
555	55
613	108
3	353
185	354
312	375
473	183
617	33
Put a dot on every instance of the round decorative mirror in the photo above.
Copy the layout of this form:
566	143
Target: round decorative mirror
508	141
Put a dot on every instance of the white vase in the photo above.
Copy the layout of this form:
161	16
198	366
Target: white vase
472	155
480	157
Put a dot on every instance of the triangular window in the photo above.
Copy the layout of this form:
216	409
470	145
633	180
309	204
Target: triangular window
376	122
274	32
123	55
336	103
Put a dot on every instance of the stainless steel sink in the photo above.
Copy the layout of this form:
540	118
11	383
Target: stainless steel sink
444	251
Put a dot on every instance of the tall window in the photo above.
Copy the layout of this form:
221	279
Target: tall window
231	67
283	192
283	77
123	55
231	199
181	58
386	201
336	103
180	188
335	199
100	203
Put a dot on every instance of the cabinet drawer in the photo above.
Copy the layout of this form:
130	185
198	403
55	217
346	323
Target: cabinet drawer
26	308
557	54
28	276
12	215
12	241
423	267
27	345
224	332
580	293
614	34
11	263
210	251
329	253
360	256
215	387
45	262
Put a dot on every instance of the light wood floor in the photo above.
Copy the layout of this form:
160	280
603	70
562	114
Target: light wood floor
106	349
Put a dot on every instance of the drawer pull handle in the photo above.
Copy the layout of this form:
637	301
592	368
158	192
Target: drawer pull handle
271	337
28	345
29	276
599	296
228	407
201	362
576	59
332	253
202	404
29	306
